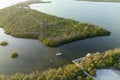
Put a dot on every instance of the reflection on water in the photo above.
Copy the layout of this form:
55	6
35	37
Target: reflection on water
104	74
33	55
7	3
99	13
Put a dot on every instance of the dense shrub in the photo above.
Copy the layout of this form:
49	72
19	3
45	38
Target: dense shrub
110	58
3	43
71	71
50	30
14	55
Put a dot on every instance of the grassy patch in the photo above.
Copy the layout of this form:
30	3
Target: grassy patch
117	65
4	43
14	55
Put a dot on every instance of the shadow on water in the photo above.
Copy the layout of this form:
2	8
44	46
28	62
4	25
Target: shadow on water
33	55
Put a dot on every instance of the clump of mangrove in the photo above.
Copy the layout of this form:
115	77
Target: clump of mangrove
14	55
52	31
110	58
4	43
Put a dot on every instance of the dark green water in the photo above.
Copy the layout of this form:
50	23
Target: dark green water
33	55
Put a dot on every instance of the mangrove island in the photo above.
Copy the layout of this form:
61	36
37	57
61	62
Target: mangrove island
21	21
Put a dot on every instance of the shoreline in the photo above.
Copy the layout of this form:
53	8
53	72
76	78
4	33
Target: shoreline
52	31
71	71
12	4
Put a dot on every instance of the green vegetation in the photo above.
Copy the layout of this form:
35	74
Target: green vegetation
3	43
71	72
22	22
110	58
68	72
14	55
101	0
117	65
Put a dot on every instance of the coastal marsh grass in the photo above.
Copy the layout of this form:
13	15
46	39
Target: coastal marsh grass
50	30
14	55
4	43
97	60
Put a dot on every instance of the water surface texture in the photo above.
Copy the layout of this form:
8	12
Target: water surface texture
106	74
103	14
7	3
33	55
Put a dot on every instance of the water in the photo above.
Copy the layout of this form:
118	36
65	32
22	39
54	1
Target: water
33	55
106	74
103	14
7	3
